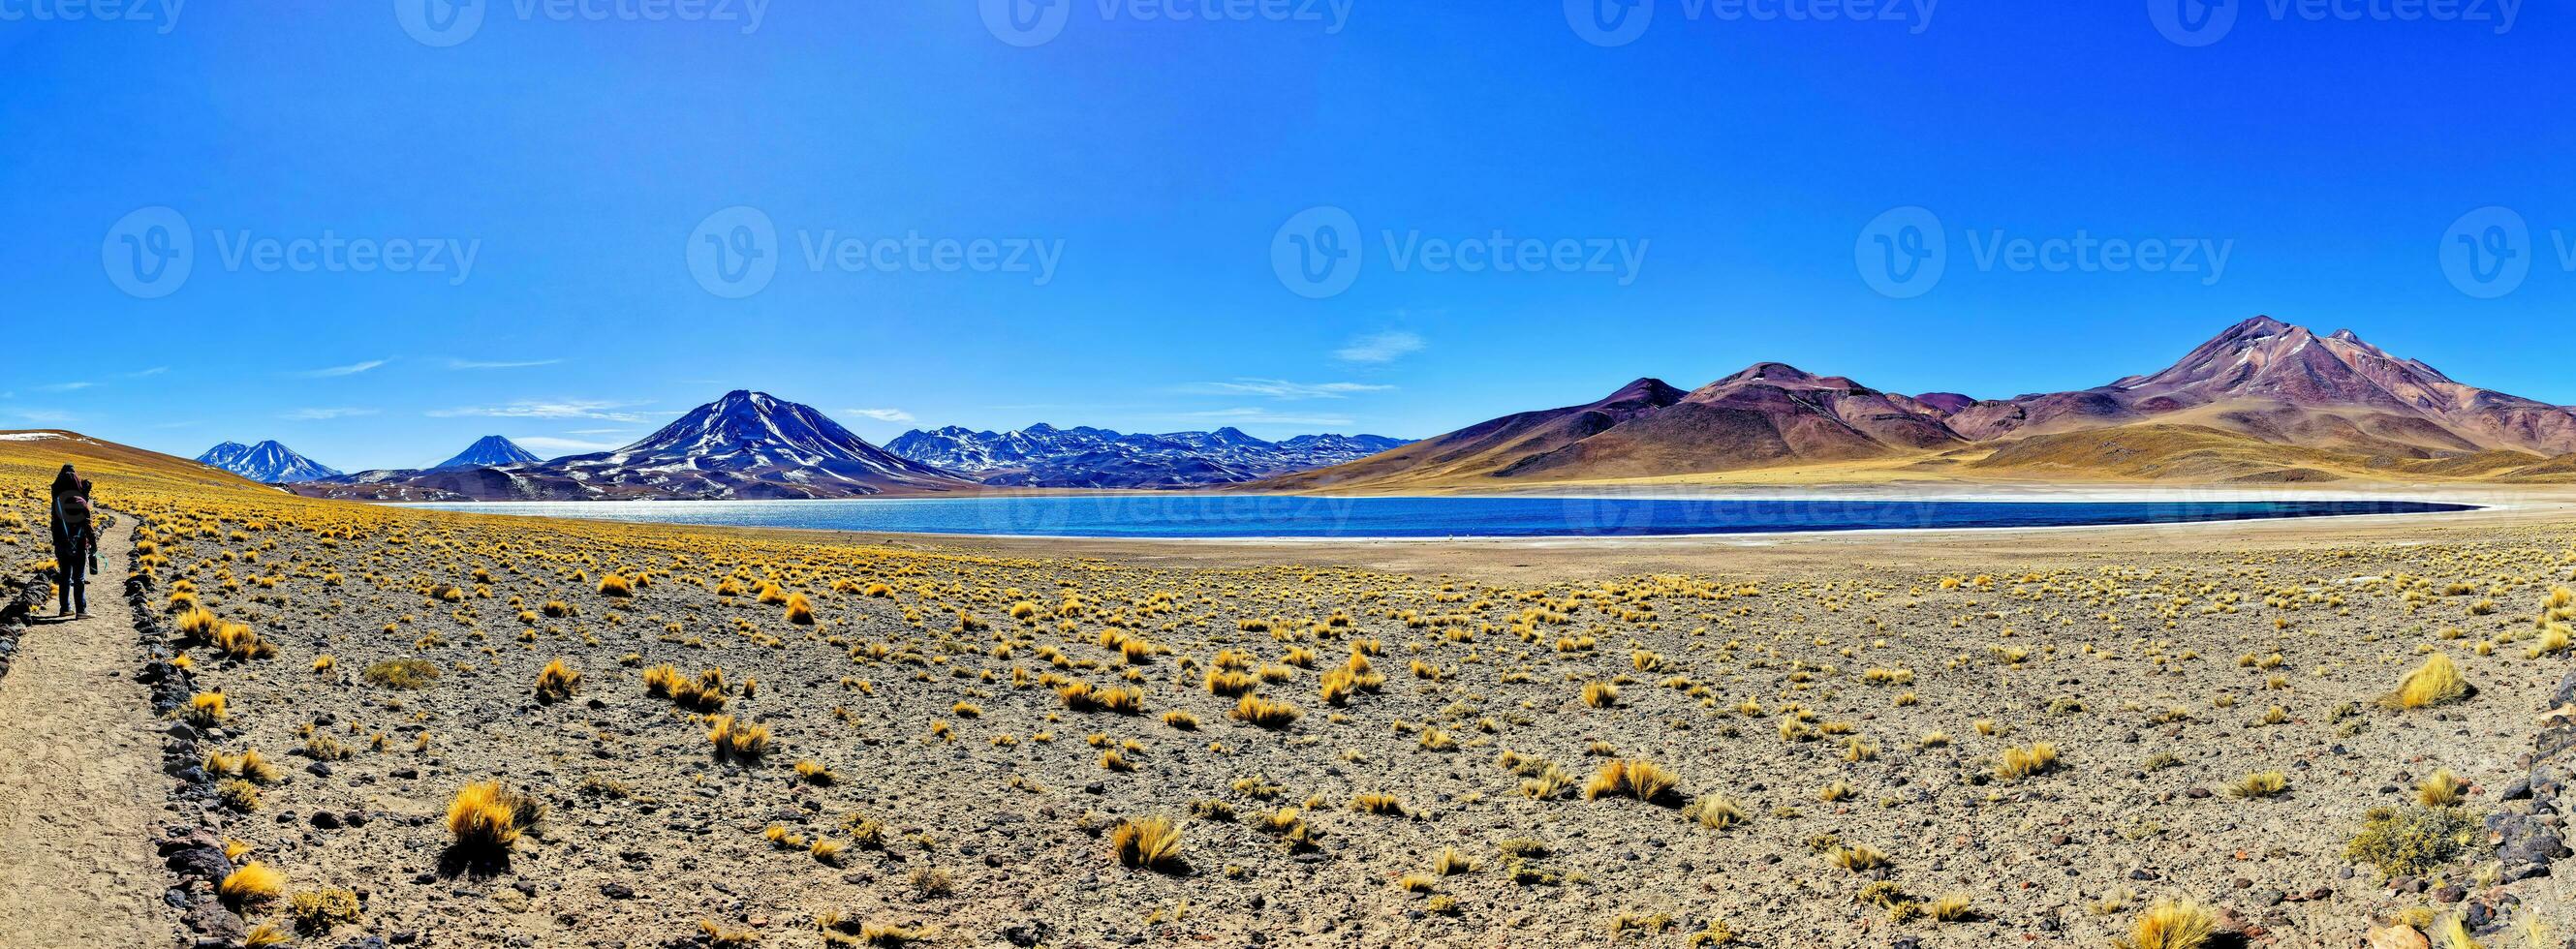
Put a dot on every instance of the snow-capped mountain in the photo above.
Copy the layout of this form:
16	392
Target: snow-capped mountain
267	462
1082	457
747	445
491	451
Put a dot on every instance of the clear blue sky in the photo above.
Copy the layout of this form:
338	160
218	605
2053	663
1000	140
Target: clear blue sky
578	156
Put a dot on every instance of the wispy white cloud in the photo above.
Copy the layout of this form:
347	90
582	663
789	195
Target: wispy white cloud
1380	347
44	416
348	370
154	371
499	364
577	408
552	447
882	415
1284	389
65	387
1255	416
325	413
601	431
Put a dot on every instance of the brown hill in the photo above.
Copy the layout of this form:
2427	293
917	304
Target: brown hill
28	459
1768	414
2263	400
1487	447
2286	384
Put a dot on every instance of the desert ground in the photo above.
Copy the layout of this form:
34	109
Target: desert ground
370	725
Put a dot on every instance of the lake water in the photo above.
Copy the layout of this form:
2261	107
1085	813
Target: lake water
1172	515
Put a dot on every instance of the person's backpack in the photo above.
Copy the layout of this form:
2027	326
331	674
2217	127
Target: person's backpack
76	515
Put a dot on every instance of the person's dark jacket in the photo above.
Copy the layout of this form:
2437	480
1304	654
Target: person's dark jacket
72	543
65	482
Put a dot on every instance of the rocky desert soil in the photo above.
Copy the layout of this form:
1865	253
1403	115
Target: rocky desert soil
378	726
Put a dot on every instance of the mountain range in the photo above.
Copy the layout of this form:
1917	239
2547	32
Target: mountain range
744	446
2262	401
267	462
1044	456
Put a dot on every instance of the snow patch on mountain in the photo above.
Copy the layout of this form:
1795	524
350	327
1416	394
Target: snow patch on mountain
1043	455
267	462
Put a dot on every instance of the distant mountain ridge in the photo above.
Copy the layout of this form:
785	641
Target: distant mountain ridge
745	445
267	462
2262	400
1045	456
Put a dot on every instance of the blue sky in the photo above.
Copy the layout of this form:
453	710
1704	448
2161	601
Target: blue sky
1099	220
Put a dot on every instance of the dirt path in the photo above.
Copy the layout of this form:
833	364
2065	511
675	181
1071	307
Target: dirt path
80	788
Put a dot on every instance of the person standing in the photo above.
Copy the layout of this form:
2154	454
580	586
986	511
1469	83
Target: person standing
75	541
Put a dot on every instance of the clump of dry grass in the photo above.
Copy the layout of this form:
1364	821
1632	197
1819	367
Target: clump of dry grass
1255	710
1857	858
2441	789
737	740
718	937
238	794
706	693
253	883
316	911
557	682
1151	843
405	674
2260	784
1451	863
2413	841
1715	811
2018	763
206	708
1629	777
1384	805
2170	924
2436	682
485	819
238	641
814	772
